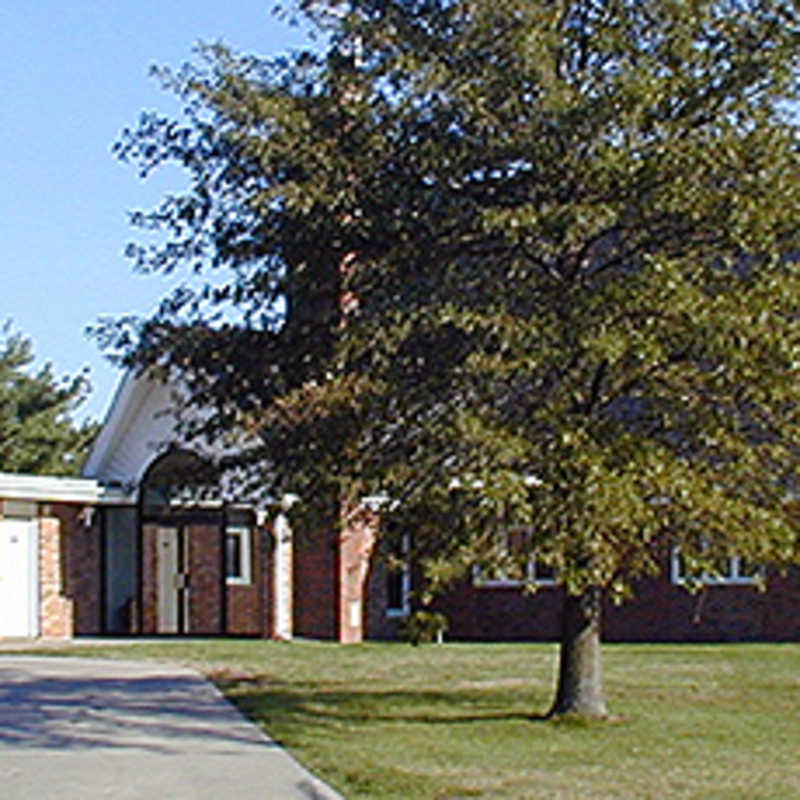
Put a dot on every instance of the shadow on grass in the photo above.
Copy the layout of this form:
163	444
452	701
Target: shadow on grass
324	707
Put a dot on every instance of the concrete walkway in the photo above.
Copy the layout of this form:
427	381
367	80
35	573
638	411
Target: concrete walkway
79	729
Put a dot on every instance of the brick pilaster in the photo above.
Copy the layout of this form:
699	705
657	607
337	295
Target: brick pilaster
55	610
356	543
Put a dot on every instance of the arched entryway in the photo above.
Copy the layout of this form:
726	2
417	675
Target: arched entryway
181	528
202	564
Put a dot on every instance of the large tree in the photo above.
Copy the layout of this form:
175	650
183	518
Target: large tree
529	261
37	431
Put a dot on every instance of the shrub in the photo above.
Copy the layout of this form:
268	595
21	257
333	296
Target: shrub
425	626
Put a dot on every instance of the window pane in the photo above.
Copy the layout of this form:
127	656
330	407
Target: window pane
395	599
515	546
516	543
543	572
233	555
723	568
749	570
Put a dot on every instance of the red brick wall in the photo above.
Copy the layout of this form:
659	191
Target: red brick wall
781	607
314	595
244	610
205	575
82	560
376	598
660	612
663	611
246	607
504	613
264	542
378	624
148	614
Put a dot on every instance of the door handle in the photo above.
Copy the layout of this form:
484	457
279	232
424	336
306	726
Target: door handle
180	580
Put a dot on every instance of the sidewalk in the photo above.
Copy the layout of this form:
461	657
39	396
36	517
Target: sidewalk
78	729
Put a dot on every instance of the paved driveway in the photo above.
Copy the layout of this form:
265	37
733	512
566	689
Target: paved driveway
79	729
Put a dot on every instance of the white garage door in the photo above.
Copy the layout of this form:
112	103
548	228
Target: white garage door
19	584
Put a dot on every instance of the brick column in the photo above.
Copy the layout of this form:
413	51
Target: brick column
356	543
55	610
147	613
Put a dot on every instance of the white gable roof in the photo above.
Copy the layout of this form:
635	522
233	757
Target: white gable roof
139	426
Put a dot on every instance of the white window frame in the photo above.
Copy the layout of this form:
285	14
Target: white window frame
530	578
245	534
733	577
405	581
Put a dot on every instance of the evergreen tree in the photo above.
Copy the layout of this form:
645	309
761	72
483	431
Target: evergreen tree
37	433
529	261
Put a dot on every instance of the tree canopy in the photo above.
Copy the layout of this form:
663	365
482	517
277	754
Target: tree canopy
37	432
534	261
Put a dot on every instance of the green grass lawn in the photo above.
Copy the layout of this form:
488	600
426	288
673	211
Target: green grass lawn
455	721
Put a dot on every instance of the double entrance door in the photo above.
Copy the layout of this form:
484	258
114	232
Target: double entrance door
172	544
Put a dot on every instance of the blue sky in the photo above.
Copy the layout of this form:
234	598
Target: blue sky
74	74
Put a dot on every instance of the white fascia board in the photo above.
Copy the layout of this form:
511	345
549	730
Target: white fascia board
119	410
48	489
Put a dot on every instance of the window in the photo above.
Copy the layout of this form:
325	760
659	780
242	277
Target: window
237	554
398	581
516	565
730	571
541	574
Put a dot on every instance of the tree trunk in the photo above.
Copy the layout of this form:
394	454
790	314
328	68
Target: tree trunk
580	673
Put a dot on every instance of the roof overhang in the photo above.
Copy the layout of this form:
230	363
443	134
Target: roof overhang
128	395
48	489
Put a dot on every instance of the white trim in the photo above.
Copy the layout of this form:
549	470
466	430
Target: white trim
124	396
45	488
283	611
375	502
397	612
530	578
512	583
733	578
33	597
